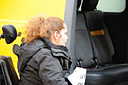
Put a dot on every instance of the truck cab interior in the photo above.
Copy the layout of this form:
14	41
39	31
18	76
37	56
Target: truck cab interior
97	41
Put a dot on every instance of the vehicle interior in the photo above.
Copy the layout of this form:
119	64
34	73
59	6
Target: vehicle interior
97	42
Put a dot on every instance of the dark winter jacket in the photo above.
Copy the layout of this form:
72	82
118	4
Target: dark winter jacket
42	63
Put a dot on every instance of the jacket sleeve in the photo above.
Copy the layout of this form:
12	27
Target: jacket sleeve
50	71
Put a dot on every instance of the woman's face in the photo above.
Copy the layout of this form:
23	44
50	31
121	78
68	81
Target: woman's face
62	36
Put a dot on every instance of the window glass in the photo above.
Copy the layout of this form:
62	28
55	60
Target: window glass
111	5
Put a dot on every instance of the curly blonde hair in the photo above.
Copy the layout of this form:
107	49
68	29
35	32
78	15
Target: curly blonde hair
39	27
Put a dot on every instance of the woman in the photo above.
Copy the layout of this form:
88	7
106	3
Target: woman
44	59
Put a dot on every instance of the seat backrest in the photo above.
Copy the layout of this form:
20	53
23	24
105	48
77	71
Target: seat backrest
10	69
93	45
83	49
102	45
4	76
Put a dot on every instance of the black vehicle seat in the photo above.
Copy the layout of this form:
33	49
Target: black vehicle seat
4	76
11	73
102	45
8	75
94	49
83	49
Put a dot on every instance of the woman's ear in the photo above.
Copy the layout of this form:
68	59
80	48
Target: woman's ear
56	35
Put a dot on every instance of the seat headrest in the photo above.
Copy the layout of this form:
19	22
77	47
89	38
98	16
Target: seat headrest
89	5
9	33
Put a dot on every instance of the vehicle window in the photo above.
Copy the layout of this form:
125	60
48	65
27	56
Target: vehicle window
111	5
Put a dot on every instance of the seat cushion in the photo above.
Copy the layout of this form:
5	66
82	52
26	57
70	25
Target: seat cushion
107	75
